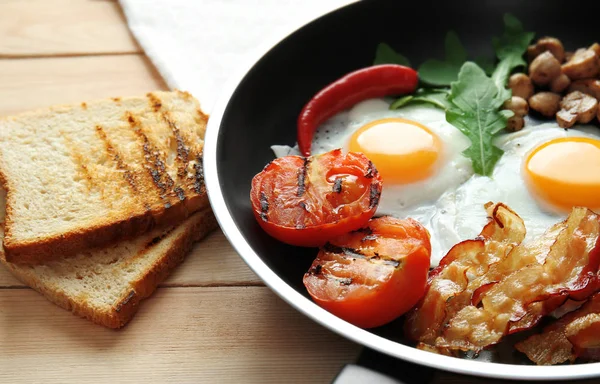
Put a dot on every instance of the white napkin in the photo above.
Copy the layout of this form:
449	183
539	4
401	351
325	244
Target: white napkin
197	45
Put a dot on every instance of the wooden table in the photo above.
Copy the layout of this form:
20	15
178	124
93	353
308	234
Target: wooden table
213	320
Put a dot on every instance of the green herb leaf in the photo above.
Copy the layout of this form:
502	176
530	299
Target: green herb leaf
475	102
401	102
386	55
440	73
435	96
510	48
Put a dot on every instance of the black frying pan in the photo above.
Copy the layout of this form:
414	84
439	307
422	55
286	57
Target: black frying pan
259	108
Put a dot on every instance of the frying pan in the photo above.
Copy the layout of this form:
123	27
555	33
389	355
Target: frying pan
260	106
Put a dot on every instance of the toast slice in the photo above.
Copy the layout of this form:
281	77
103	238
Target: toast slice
87	175
106	285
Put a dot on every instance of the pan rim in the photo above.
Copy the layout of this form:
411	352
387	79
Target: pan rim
312	310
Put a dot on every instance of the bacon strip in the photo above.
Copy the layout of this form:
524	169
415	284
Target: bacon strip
574	335
514	293
451	283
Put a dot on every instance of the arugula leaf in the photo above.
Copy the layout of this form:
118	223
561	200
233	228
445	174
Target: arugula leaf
435	96
440	73
386	55
401	102
510	48
475	110
476	99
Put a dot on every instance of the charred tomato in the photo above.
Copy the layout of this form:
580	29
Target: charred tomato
374	275
306	201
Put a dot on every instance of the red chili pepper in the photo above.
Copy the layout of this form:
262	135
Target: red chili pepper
376	81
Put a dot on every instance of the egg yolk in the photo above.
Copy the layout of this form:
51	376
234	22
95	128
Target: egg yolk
566	172
403	151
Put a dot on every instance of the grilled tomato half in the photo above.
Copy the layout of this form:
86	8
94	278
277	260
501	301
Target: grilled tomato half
306	201
372	276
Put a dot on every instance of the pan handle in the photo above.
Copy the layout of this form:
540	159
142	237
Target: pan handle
375	367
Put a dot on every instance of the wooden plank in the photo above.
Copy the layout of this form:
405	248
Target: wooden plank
182	335
63	27
213	262
213	335
33	83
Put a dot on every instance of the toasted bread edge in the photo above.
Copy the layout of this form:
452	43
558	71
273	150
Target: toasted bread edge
54	247
121	312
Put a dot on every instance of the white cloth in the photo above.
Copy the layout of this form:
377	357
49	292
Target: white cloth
197	45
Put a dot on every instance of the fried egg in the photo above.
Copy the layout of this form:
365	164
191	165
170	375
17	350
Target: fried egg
545	170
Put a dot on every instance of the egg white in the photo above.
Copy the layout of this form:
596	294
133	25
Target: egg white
450	202
507	185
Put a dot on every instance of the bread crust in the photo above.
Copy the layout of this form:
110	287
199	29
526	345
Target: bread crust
52	247
124	308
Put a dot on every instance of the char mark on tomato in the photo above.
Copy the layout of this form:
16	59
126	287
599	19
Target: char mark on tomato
316	270
302	177
356	254
337	185
350	252
302	205
374	195
264	206
370	170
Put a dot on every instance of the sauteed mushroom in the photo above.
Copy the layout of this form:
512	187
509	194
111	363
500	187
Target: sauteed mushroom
584	64
587	86
521	85
518	105
560	83
546	103
551	44
576	107
544	69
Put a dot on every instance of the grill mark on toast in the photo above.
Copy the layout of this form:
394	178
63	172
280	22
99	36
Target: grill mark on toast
155	102
199	186
127	299
146	248
116	99
180	193
128	174
183	153
157	239
186	150
82	168
153	163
